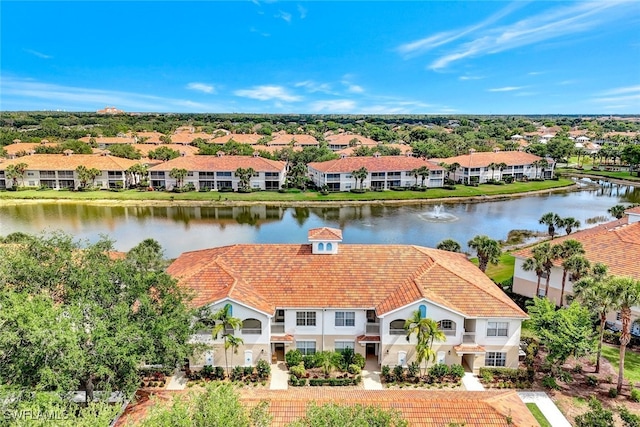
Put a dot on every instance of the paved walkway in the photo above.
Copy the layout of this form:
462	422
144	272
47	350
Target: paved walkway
371	376
471	383
279	377
547	407
178	381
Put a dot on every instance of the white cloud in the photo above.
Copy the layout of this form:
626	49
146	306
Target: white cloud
470	78
617	91
49	96
548	24
333	106
505	89
351	87
355	88
283	15
619	97
262	33
201	87
38	54
312	86
267	93
302	11
535	73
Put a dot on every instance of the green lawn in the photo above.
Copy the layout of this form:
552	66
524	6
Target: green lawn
537	414
308	196
631	361
501	272
603	173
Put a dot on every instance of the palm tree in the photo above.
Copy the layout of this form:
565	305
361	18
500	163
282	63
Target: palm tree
360	174
487	249
233	343
244	175
534	264
595	295
225	322
415	172
569	224
16	171
551	220
616	211
427	331
423	171
449	245
178	175
544	164
543	256
536	164
565	251
493	166
626	291
501	166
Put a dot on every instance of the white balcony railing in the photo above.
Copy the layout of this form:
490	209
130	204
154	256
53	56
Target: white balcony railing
251	331
372	329
277	328
469	338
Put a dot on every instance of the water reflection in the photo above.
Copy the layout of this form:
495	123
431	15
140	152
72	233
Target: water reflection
182	228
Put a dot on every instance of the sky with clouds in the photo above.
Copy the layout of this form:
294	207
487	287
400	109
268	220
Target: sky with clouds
435	57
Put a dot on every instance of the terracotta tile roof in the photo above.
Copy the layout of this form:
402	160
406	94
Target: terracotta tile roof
249	138
616	244
221	163
635	210
107	140
282	338
346	138
384	277
188	150
188	137
325	233
404	149
469	348
15	148
273	148
152	137
368	338
418	407
484	159
298	139
372	164
63	162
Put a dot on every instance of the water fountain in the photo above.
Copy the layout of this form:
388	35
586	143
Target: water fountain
438	214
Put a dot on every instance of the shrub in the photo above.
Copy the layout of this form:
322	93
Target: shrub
207	372
414	370
613	392
310	361
354	369
297	382
359	360
635	395
219	374
565	376
592	380
629	419
439	371
263	368
398	372
456	371
237	374
347	358
486	376
386	370
248	370
550	383
298	371
293	358
577	369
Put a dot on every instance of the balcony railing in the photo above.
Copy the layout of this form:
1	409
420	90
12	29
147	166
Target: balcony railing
469	338
449	332
397	331
372	329
277	328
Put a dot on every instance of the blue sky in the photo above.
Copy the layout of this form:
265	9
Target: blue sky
437	57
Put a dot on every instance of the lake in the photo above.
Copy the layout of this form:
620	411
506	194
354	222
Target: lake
182	228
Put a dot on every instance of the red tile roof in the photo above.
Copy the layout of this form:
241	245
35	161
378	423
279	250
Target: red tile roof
404	149
63	162
635	210
250	138
221	163
484	159
15	148
616	244
325	233
373	164
418	407
298	139
384	277
346	138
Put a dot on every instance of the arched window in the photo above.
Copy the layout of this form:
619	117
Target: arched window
447	326
423	311
321	246
329	246
396	327
251	327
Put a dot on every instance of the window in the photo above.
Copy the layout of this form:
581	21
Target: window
541	293
228	174
497	329
306	318
618	316
65	174
251	327
423	311
329	246
272	174
343	345
397	327
345	318
321	246
495	359
306	347
447	326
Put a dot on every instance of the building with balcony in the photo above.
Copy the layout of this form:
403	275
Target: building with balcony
326	295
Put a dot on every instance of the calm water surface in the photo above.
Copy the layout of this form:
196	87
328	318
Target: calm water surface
180	229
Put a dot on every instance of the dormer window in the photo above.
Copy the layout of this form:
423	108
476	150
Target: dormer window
325	240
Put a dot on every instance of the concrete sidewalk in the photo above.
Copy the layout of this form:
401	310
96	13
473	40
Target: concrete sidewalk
471	383
371	376
178	381
279	376
547	407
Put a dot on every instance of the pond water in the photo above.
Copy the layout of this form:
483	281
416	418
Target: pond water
182	228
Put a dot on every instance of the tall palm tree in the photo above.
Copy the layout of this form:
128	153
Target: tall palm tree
569	223
493	166
224	323
415	173
487	249
501	166
626	291
16	171
427	331
617	211
449	245
544	254
423	171
534	264
233	343
360	175
178	175
593	292
551	220
565	251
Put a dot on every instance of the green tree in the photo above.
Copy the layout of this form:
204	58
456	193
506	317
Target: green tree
244	175
13	172
631	155
552	221
565	332
493	166
163	153
544	254
78	147
567	251
332	414
225	324
328	360
501	166
593	292
627	294
449	245
179	175
125	151
137	175
487	250
615	211
534	264
426	331
85	175
569	223
424	172
360	175
596	417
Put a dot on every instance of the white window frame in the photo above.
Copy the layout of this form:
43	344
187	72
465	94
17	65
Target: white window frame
496	359
306	347
497	329
345	319
305	318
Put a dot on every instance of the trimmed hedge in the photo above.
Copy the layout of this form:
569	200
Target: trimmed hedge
335	382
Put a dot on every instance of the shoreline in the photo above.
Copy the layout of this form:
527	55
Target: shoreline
285	204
